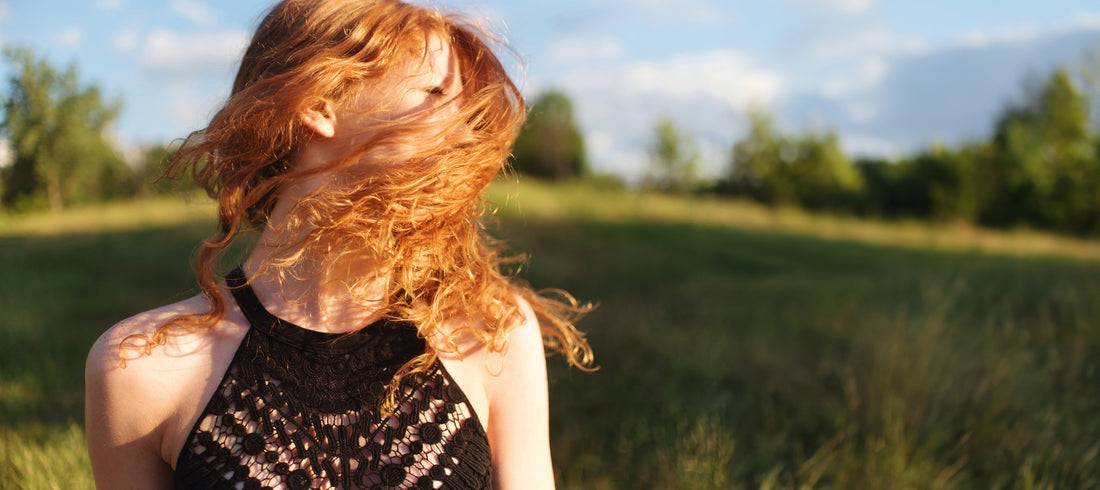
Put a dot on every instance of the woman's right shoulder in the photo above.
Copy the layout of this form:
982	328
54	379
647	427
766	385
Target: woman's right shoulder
127	359
130	341
133	352
140	393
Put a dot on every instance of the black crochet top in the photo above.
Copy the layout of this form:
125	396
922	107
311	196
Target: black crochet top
298	409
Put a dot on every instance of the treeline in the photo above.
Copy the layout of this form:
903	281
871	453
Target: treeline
1040	168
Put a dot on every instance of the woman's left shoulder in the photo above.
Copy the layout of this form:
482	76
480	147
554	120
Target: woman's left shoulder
519	430
485	371
519	368
507	389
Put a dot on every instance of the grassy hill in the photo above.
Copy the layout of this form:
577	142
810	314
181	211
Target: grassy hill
739	346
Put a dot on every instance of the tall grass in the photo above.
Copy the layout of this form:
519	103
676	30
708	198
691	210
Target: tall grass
749	348
52	458
739	347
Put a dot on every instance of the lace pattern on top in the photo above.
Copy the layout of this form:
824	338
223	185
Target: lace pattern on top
298	409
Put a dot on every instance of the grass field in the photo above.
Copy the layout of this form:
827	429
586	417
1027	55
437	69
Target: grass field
739	347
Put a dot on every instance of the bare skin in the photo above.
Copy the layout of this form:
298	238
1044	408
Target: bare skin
139	417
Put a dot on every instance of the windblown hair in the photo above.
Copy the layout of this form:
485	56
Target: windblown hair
417	212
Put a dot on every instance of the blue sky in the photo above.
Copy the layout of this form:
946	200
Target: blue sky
888	76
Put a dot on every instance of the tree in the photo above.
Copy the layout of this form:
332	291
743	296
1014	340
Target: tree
550	145
1045	168
673	157
56	128
151	164
1089	69
932	184
757	166
822	174
810	170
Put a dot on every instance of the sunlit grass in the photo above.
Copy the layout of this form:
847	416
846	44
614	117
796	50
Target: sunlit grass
33	458
117	216
544	201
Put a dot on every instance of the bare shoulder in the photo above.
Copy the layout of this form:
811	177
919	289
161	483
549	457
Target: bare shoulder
478	368
507	389
109	349
522	361
139	395
523	327
519	403
126	352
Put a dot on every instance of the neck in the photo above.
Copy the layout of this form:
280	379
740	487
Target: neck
314	292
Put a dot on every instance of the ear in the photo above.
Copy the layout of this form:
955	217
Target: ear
320	118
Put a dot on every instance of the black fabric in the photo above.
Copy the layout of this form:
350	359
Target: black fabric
298	409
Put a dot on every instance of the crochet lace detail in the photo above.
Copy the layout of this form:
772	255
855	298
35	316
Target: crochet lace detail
298	409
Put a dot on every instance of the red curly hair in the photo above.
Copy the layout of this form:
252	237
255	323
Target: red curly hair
419	218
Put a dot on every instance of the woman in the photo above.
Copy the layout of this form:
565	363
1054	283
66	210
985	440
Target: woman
371	338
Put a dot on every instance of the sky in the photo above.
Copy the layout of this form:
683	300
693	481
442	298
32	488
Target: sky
889	76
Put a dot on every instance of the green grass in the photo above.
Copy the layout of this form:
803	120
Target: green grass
739	347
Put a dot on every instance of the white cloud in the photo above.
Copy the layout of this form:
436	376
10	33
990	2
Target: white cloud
857	43
865	76
862	111
490	19
168	51
569	51
193	72
729	77
1024	33
194	11
845	7
110	4
3	9
953	91
618	102
848	6
190	109
70	37
1087	20
125	40
702	11
1014	34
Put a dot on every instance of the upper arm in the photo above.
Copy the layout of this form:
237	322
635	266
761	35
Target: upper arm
124	420
518	429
